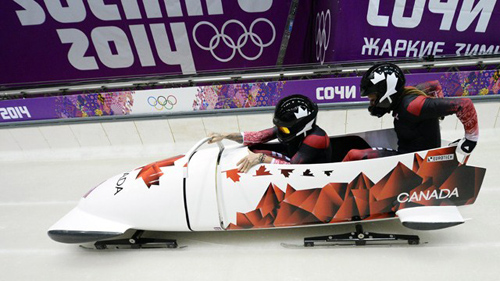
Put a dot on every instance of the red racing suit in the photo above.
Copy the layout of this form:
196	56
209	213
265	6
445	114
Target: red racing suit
313	148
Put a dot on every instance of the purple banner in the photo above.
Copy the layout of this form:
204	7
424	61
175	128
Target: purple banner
46	42
234	96
60	41
333	90
342	90
73	106
359	29
27	109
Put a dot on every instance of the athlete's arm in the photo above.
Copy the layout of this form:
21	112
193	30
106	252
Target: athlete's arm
426	107
263	136
464	109
247	138
216	137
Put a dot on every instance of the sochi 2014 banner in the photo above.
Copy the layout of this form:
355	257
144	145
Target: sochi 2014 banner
371	29
56	41
234	96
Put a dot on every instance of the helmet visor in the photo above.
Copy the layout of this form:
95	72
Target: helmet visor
284	130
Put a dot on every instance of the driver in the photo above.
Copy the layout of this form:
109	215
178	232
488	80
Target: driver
416	115
301	141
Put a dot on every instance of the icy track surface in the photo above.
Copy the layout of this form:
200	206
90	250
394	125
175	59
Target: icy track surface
37	194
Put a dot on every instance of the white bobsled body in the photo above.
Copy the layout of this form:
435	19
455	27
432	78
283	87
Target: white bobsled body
203	191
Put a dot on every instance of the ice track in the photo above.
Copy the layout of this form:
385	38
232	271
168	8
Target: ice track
35	194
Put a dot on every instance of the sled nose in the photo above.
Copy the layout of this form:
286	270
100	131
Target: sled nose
73	236
79	226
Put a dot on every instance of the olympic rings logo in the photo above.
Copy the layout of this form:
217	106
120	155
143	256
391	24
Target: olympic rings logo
238	44
323	22
161	102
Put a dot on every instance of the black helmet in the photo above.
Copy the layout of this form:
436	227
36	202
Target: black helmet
387	81
294	115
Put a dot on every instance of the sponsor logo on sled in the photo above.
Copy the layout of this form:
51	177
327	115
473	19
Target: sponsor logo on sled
427	195
440	158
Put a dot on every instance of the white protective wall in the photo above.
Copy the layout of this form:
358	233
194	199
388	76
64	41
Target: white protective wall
155	137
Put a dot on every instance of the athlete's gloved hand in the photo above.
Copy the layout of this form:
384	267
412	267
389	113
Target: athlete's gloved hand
464	146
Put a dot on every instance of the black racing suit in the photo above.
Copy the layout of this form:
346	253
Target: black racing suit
416	122
315	147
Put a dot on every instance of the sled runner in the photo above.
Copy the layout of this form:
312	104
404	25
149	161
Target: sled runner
360	237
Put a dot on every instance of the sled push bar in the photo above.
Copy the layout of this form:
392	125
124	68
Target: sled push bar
188	157
195	148
359	238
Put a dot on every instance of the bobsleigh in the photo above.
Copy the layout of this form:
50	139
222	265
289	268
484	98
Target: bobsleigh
203	191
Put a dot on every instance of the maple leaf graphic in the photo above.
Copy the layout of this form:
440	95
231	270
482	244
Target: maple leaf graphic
151	173
286	172
233	175
262	172
308	173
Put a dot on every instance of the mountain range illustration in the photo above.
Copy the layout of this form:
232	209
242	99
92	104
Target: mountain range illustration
362	199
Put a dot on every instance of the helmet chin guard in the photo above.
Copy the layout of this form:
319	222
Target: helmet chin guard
387	81
294	116
378	111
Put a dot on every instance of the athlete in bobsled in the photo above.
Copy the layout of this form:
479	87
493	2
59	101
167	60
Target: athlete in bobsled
416	115
233	188
301	140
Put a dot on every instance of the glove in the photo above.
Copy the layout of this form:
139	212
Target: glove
464	146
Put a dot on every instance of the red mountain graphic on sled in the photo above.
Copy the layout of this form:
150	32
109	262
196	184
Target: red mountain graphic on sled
430	182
